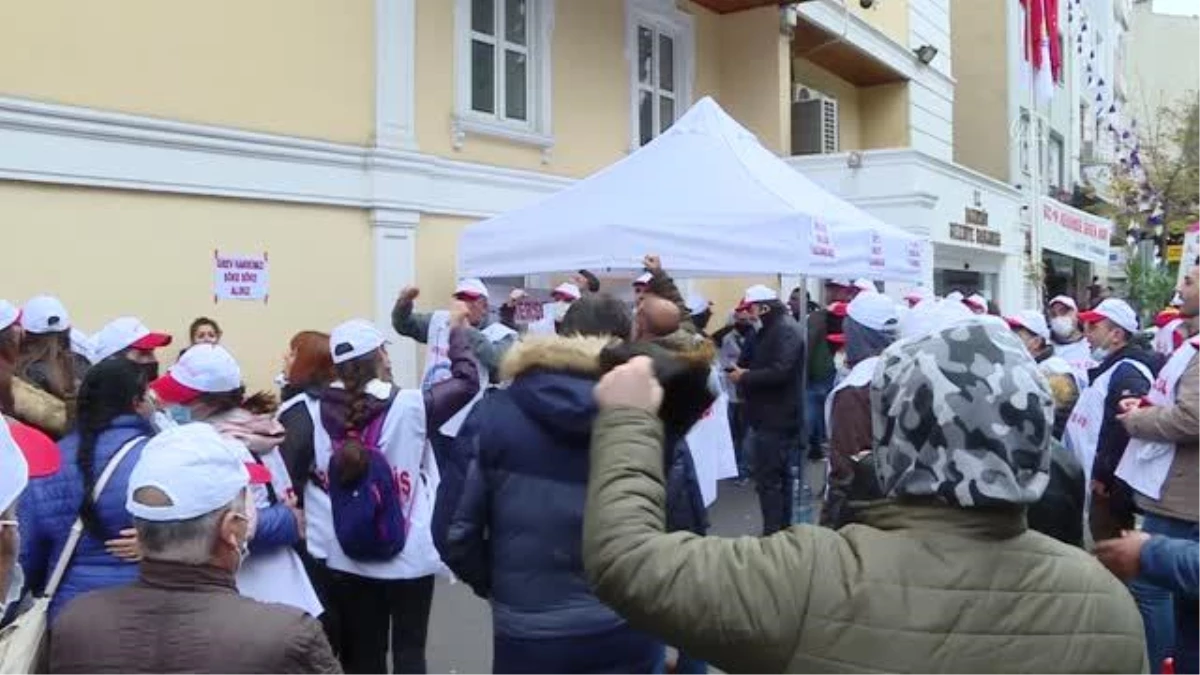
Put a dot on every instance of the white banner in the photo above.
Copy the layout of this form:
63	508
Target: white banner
240	277
1074	233
711	443
1191	249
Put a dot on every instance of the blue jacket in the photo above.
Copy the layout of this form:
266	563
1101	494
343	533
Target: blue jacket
516	534
1173	564
49	506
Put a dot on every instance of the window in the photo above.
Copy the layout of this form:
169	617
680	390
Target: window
660	47
503	69
1023	144
1054	172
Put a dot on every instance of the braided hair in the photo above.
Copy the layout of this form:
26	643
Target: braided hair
110	389
355	374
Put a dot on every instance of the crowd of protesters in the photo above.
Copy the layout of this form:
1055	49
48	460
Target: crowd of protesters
1004	491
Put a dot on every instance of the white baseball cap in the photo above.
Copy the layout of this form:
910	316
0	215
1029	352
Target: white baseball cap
203	369
567	291
918	294
1115	310
45	314
14	470
977	302
9	314
935	315
125	333
1032	321
643	279
193	467
355	338
470	289
864	284
83	344
697	303
1064	300
874	310
759	293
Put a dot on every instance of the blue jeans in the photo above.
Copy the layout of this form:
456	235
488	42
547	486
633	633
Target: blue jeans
1171	622
814	413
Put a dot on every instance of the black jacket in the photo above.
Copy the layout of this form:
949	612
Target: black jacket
1126	382
771	386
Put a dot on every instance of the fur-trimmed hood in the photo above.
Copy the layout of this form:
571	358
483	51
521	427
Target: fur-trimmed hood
577	355
552	381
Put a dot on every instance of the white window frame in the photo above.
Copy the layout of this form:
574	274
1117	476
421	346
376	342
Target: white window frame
537	130
1056	166
665	18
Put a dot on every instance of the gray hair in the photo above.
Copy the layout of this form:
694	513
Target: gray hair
189	542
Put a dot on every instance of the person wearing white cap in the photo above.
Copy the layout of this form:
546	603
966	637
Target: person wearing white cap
1067	333
188	498
917	295
129	338
489	342
1093	431
1059	513
564	295
373	438
871	324
47	361
700	310
208	381
977	303
19	398
770	384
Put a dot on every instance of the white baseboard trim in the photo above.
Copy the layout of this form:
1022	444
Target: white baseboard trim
51	143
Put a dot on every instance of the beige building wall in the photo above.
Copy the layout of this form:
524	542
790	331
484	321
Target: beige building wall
756	76
296	67
151	255
890	17
847	95
590	109
883	116
981	91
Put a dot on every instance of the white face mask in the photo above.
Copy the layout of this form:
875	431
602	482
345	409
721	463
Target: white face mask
1063	326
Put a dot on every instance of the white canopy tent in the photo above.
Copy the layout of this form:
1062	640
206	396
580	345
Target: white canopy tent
708	199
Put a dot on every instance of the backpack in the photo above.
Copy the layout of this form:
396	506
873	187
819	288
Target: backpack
367	517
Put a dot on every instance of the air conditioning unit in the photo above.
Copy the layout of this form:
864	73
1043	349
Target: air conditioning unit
814	122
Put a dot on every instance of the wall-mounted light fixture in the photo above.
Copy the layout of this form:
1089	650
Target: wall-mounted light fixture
926	54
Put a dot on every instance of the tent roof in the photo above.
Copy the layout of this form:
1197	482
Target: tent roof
704	195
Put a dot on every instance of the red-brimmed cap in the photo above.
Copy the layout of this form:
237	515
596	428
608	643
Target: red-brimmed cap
1166	316
836	338
839	308
41	453
1115	310
152	341
172	392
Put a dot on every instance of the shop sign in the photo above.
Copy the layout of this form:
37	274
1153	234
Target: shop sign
1174	253
1074	233
914	255
974	229
240	277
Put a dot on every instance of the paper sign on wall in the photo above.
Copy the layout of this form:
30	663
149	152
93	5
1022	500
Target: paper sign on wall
240	277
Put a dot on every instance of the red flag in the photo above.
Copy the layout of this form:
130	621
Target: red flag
1052	34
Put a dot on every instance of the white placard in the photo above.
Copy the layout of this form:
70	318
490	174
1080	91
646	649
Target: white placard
240	277
711	443
1075	233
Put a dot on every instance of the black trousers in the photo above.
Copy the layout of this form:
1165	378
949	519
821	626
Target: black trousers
772	450
368	607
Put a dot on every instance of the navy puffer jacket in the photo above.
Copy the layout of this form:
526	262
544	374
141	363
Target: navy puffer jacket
50	505
516	534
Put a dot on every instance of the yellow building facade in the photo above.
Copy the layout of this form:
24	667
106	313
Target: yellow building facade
352	141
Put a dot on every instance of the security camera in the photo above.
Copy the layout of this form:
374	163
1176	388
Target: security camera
866	4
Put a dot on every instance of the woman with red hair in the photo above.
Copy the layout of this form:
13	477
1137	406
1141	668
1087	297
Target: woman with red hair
307	370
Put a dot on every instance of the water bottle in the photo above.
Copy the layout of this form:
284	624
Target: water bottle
802	497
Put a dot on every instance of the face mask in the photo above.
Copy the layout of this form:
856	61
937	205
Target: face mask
16	582
560	310
1062	326
1100	353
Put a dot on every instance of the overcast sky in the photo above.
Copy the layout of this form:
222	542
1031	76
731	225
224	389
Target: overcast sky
1186	7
